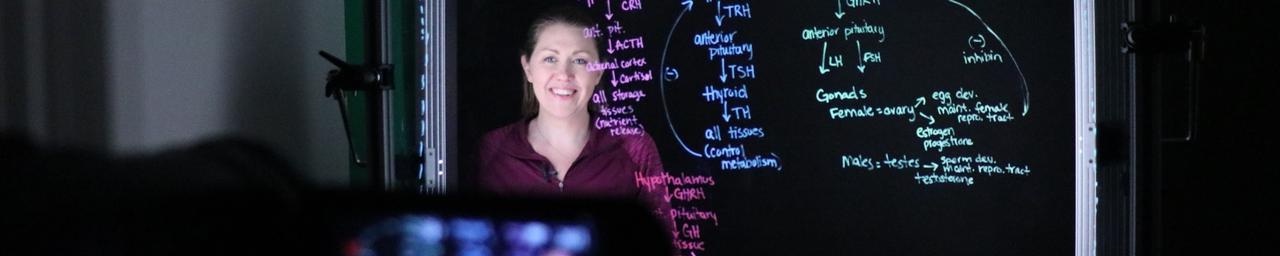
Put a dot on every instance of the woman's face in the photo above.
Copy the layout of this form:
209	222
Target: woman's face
557	68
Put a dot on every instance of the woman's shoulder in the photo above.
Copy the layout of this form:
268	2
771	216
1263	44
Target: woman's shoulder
506	137
640	140
639	145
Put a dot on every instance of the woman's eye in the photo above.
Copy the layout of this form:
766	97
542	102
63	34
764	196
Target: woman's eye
549	59
580	61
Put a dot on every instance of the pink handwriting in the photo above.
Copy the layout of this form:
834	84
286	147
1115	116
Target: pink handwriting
652	182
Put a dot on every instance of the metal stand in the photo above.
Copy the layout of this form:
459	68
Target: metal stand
374	78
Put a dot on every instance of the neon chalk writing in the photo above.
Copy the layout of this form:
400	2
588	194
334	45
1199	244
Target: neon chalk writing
664	179
896	111
592	32
999	118
598	97
712	38
742	71
929	179
952	108
615	28
626	44
712	133
617	64
865	28
856	161
631	5
745	132
925	132
955	169
970	118
983	56
941	96
816	33
633	76
868	111
899	162
861	3
736	11
902	162
871	57
965	94
689	245
691	231
944	143
695	214
966	159
842	113
625	95
616	110
686	194
726	151
946	97
989	108
620	131
743	112
998	112
822	95
753	162
607	122
835	60
717	94
723	50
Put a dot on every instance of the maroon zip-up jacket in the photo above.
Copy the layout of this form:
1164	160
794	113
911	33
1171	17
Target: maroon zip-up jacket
607	168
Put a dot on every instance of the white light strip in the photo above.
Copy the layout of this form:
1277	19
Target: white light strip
1086	129
433	92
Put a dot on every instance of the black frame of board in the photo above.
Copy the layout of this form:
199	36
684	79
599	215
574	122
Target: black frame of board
1118	126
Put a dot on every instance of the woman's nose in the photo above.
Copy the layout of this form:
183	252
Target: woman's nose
567	70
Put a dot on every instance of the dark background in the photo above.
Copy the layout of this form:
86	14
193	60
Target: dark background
130	76
812	205
1160	195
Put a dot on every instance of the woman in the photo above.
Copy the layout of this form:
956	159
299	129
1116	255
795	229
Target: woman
554	150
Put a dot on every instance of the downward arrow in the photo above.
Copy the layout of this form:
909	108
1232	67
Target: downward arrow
861	68
609	42
839	9
609	6
726	110
722	75
613	77
719	19
822	64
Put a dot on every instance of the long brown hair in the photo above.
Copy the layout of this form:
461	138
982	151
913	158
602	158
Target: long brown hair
568	14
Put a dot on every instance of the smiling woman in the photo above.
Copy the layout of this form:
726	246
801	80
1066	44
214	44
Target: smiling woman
555	150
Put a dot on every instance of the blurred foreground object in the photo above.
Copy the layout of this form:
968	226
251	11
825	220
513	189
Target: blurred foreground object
232	196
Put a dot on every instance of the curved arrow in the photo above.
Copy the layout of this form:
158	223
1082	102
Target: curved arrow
1026	96
662	85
